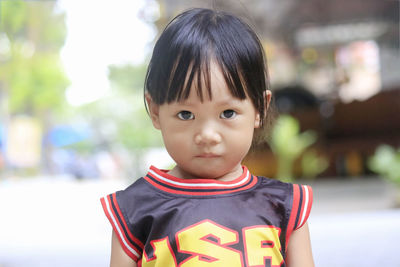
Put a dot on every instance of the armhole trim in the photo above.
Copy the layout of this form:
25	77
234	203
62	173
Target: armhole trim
129	243
301	208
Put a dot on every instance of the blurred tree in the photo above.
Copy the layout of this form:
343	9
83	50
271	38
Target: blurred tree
127	77
31	74
287	143
134	129
386	162
32	80
313	164
119	121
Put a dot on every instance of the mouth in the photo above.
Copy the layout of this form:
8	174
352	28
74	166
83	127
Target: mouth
208	155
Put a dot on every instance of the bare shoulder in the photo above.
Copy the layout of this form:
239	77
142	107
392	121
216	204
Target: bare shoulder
299	253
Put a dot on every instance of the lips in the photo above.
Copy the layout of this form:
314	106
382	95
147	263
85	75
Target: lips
208	155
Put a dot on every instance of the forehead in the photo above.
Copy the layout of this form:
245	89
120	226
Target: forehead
208	85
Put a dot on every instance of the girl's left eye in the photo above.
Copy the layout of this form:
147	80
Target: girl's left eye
228	114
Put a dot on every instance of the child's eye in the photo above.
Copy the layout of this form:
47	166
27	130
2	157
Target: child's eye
228	114
185	115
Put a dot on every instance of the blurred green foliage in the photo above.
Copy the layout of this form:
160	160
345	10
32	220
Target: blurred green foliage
313	164
386	162
31	74
33	82
135	130
288	144
120	119
127	77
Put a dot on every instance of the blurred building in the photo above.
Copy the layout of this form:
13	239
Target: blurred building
334	65
314	31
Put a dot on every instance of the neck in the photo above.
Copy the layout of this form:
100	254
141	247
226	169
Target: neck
229	176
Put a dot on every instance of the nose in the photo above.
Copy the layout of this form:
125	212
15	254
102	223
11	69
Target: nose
207	135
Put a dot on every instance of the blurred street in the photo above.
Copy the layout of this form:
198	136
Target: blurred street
353	223
59	222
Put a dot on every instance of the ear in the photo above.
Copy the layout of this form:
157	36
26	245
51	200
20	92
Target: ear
257	121
267	99
153	110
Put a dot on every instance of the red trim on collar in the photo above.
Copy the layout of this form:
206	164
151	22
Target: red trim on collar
168	183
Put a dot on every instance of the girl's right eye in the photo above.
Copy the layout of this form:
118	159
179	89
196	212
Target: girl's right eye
185	115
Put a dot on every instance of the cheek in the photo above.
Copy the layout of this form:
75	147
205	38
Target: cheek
175	140
242	139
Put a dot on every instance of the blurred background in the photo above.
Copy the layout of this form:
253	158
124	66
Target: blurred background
73	126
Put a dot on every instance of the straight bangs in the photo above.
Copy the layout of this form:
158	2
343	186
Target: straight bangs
191	42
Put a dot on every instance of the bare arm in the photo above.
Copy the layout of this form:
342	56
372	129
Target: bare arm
118	256
299	252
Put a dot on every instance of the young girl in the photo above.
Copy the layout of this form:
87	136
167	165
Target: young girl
206	90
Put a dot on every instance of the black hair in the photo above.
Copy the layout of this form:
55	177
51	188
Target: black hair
190	41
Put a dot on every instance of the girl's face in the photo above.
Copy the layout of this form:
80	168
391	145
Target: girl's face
207	139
